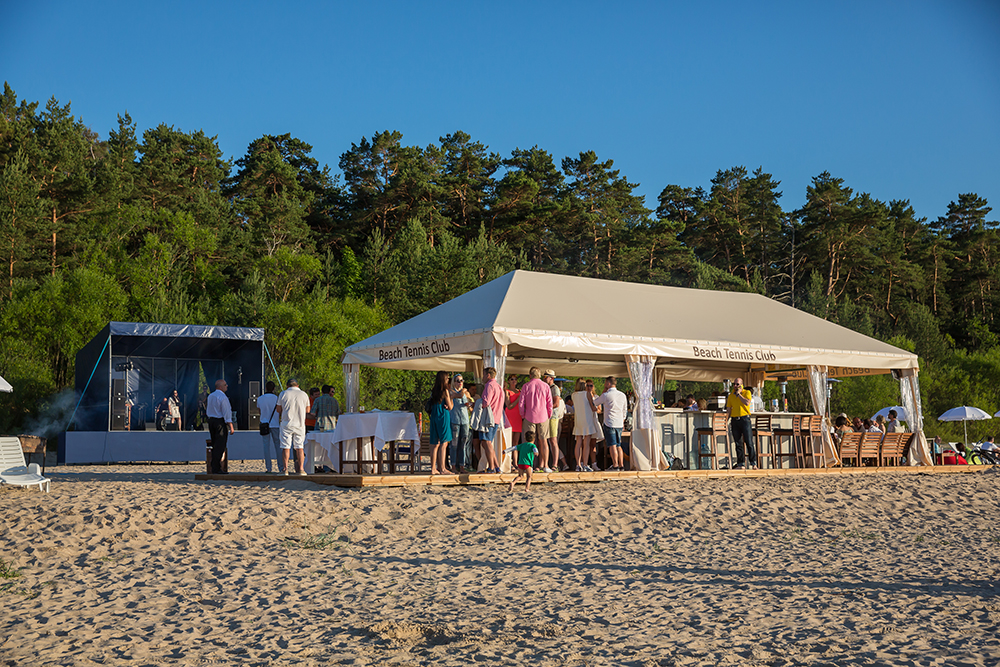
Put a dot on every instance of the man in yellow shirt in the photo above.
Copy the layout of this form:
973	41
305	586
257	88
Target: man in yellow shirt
738	404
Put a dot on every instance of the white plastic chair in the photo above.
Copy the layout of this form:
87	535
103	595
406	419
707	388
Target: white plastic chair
12	468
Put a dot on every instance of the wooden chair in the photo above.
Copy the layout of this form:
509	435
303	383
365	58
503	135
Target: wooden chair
810	453
891	450
849	446
399	455
870	448
718	429
360	460
761	430
908	440
789	436
894	446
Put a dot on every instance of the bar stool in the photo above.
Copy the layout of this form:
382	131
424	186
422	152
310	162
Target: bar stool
787	435
761	430
812	432
713	432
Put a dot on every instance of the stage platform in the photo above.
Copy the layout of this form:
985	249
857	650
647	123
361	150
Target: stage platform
150	446
418	479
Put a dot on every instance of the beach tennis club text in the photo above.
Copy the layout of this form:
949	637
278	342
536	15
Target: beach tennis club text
733	355
407	352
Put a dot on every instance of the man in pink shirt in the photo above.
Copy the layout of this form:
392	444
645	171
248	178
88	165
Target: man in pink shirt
493	397
535	406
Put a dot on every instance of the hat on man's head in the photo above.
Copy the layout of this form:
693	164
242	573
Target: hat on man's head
549	373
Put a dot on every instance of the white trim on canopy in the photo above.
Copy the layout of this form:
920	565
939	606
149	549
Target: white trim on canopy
589	327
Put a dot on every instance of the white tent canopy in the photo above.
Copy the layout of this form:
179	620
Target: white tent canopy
590	327
5	386
581	326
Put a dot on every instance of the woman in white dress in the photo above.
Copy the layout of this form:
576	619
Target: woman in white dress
587	426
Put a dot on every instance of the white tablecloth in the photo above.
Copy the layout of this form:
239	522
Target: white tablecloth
319	451
381	427
367	429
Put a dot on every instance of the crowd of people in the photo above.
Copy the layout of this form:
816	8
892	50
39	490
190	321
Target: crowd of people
464	422
290	415
844	424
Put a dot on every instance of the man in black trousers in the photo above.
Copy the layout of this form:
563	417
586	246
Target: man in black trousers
220	423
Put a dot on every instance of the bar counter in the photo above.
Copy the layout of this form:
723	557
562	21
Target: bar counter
677	431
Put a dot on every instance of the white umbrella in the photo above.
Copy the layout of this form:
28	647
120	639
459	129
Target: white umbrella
964	414
900	413
5	386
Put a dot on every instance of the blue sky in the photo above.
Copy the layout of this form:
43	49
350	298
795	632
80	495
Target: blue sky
900	99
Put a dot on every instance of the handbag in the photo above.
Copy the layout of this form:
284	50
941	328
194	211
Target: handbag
482	417
265	427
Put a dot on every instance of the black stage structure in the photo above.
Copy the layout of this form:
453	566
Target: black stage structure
127	369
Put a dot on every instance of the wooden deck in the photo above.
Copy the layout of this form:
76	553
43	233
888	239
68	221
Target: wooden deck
354	481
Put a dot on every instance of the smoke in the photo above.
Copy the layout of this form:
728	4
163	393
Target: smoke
53	417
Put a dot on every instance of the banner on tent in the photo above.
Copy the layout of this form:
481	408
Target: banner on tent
418	349
803	374
707	351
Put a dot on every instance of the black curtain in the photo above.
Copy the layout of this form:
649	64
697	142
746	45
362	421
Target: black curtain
143	386
188	372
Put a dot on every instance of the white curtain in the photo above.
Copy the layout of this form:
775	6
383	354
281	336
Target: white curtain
646	451
352	387
817	389
909	392
497	358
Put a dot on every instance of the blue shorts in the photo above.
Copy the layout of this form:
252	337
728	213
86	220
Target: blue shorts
488	434
612	435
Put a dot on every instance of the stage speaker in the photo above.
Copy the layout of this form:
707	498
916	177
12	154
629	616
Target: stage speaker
118	396
171	426
118	421
252	408
254	422
669	397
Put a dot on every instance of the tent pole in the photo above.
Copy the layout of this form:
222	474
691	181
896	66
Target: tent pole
87	386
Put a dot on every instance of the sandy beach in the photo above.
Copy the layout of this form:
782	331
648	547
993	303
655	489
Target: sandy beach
141	565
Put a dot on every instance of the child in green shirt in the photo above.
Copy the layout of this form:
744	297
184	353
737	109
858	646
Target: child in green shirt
526	452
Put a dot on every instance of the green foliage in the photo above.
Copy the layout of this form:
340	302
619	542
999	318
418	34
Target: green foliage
162	228
8	571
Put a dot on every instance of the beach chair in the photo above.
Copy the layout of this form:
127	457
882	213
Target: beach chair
12	468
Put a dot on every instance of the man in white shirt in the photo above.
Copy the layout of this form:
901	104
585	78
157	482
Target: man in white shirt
892	425
220	423
615	405
268	406
293	405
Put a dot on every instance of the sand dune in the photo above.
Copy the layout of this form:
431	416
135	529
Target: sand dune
141	565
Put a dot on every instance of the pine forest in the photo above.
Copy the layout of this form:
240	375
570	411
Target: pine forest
163	228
